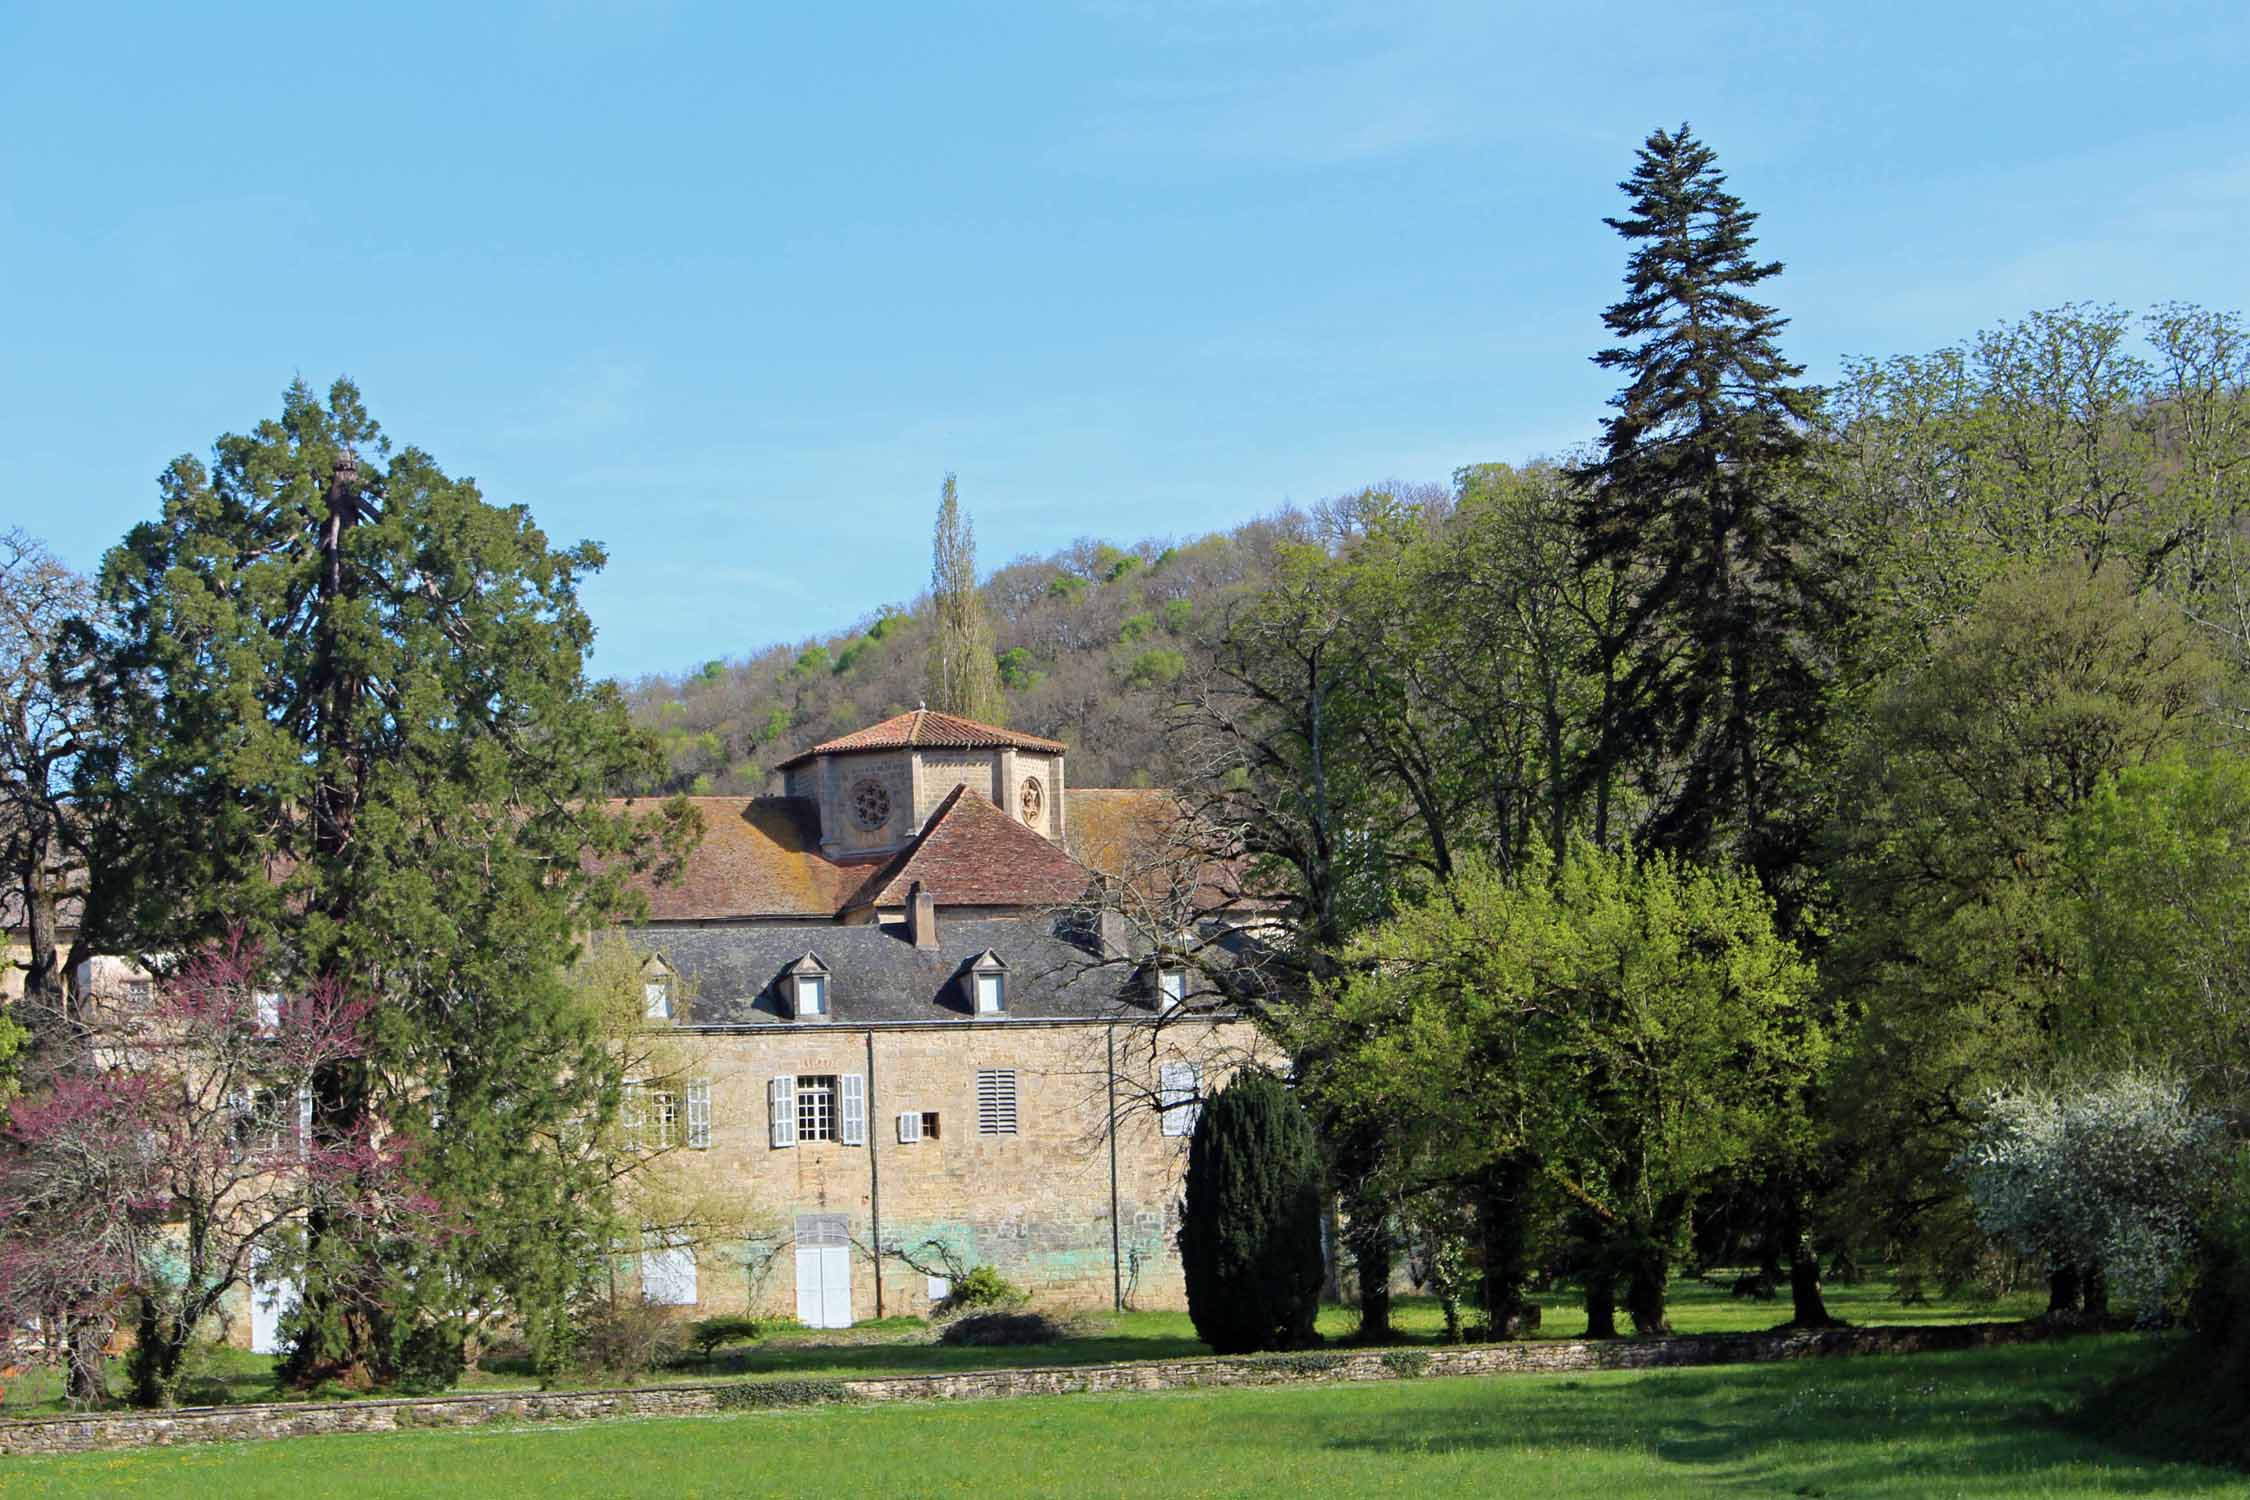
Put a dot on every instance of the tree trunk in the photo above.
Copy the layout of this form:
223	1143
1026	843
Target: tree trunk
1601	1303
1502	1225
1645	1287
2063	1289
1808	1305
2097	1292
83	1381
1369	1236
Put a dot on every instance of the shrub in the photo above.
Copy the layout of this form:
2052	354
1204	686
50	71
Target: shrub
983	1287
766	1395
708	1335
996	1329
1250	1220
624	1339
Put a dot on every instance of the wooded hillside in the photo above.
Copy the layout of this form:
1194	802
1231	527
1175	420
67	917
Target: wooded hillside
1093	641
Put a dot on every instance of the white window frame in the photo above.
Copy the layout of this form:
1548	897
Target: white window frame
998	1102
819	1107
699	1114
656	994
1171	987
811	999
991	985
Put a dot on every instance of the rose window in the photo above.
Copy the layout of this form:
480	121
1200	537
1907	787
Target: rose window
1033	799
871	804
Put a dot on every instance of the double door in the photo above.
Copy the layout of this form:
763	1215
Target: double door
824	1272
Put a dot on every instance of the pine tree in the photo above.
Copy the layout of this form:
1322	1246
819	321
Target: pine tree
1250	1220
1692	499
964	675
350	715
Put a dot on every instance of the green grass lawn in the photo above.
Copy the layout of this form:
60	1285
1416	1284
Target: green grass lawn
1979	1424
904	1346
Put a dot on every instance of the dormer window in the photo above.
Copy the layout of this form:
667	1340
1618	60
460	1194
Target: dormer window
808	989
1171	987
988	984
656	991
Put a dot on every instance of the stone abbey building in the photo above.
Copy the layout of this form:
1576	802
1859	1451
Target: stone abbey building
920	1042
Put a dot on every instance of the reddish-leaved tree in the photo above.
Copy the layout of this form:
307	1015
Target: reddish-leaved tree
144	1185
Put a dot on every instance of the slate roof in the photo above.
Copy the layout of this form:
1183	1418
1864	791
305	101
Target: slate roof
926	728
877	975
970	853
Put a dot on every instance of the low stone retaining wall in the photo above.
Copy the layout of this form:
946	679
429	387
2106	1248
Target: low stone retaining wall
211	1424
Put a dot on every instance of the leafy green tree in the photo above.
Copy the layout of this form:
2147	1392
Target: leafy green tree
1952	947
2157	916
1694	499
1250	1219
963	677
351	714
1622	1026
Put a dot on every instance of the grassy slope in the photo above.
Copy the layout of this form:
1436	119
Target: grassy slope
1978	1425
902	1346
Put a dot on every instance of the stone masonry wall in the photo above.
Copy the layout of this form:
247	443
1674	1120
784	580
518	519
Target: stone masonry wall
76	1434
1034	1205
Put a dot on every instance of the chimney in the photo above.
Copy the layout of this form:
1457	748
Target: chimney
921	917
1110	936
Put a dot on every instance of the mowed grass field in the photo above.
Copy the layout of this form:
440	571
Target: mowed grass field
905	1346
1983	1424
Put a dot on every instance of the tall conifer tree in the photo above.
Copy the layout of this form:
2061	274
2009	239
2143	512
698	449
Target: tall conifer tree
964	674
1691	497
350	714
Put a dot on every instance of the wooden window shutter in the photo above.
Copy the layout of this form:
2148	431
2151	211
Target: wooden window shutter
851	1122
699	1114
304	1122
781	1110
909	1128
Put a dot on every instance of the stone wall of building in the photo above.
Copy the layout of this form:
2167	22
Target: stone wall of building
1034	1204
838	776
77	1434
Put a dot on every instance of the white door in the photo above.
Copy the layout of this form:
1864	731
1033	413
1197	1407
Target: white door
824	1272
270	1302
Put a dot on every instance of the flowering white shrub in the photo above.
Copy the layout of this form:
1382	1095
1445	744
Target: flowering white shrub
2105	1174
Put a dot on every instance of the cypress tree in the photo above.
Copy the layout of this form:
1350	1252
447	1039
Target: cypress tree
1250	1220
1691	498
964	674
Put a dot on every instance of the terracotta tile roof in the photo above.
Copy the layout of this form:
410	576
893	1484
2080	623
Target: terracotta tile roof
760	857
971	853
925	728
1126	833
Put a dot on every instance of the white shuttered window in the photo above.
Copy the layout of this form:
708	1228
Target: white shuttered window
909	1128
1179	1089
851	1122
781	1110
996	1101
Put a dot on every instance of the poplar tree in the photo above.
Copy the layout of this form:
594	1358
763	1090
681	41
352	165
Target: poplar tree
964	674
1691	499
350	716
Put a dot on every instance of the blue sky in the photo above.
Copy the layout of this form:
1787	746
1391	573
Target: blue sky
730	288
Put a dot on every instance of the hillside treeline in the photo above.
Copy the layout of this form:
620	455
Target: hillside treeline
1092	642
